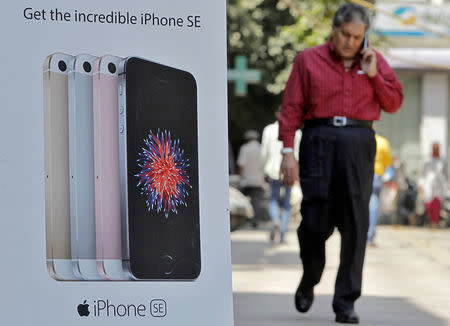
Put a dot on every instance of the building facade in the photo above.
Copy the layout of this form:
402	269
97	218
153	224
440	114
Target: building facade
418	34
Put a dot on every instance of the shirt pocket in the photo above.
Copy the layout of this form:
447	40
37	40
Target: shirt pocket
362	89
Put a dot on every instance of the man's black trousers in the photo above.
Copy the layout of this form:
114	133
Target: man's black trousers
336	175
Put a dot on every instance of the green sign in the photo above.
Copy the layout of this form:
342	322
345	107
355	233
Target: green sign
243	76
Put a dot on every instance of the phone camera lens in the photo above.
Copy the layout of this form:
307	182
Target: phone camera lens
62	65
87	66
112	67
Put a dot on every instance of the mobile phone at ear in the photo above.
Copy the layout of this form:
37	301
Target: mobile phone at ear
158	150
56	162
106	168
365	42
81	165
364	45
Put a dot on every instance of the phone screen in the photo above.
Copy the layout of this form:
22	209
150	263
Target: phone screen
162	160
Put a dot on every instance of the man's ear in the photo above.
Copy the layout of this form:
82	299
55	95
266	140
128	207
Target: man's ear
333	31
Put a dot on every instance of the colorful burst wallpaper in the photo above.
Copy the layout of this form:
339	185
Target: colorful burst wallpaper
163	177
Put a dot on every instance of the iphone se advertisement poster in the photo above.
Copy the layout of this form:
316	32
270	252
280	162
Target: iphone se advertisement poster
113	163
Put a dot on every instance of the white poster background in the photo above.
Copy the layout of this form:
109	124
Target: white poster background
29	296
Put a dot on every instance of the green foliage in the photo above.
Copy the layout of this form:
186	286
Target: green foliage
271	34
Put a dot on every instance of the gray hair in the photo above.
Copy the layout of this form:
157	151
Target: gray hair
350	12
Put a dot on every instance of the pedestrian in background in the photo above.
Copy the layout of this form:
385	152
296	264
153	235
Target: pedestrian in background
383	160
433	184
335	91
250	168
271	149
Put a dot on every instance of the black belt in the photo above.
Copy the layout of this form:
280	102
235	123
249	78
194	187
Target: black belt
338	122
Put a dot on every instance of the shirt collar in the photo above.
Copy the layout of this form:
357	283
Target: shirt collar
332	49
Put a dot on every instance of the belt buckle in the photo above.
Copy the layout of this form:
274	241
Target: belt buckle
339	121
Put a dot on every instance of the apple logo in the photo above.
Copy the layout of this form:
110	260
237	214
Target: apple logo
83	309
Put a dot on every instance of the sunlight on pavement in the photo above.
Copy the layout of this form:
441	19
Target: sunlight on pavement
407	276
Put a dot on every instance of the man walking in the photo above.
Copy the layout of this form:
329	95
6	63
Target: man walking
335	91
433	184
271	155
251	171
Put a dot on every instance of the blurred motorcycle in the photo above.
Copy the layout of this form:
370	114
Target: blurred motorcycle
241	210
406	202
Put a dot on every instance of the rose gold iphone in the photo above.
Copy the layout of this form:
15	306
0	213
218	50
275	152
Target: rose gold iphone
106	168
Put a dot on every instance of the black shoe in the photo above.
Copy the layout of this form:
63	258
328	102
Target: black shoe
347	317
303	299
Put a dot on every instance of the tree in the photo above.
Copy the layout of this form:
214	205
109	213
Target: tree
270	33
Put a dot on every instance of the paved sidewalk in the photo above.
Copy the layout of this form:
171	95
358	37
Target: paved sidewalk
406	279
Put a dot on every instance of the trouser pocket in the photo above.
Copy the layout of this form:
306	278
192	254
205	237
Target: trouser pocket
316	163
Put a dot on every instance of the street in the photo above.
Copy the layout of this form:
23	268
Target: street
406	279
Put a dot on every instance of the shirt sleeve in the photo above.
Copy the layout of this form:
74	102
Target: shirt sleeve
292	108
297	139
388	90
264	145
241	157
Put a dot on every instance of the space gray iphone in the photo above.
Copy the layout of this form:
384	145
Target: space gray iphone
158	150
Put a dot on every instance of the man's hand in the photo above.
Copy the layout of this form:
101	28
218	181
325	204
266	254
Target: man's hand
289	169
369	62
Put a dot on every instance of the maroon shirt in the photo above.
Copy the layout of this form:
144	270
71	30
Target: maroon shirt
319	87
